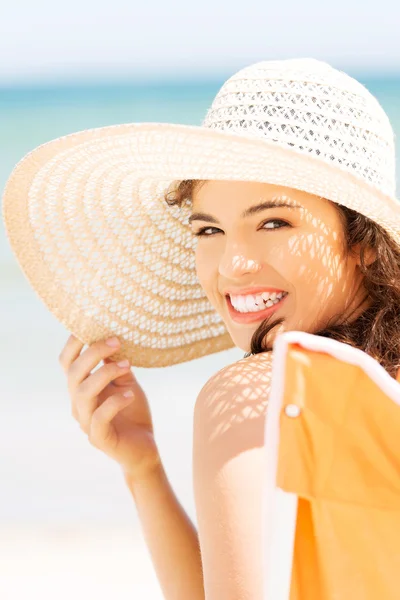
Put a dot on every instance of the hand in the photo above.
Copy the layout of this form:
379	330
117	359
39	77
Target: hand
120	427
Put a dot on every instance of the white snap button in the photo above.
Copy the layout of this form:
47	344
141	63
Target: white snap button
292	410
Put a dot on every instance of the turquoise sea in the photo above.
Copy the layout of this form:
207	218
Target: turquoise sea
67	522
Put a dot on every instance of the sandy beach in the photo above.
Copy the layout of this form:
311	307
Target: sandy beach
65	562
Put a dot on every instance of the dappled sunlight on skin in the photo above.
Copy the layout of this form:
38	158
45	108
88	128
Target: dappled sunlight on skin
231	408
305	258
321	267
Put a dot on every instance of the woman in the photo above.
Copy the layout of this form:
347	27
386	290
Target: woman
284	198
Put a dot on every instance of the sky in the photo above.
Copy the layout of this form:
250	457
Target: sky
43	40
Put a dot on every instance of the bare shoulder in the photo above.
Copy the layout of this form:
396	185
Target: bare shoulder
247	375
231	406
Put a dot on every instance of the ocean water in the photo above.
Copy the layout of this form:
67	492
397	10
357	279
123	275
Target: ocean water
67	522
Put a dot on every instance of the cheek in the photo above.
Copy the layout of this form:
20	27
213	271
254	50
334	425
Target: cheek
311	260
321	279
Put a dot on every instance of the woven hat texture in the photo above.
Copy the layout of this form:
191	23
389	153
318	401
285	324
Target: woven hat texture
86	217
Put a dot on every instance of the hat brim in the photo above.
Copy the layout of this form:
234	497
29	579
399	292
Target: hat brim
75	187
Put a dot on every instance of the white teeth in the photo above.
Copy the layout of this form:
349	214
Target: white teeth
249	302
256	303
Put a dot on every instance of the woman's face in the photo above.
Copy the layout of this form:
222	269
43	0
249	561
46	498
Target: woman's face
298	249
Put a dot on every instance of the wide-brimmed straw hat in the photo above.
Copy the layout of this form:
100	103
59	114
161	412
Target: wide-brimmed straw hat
89	225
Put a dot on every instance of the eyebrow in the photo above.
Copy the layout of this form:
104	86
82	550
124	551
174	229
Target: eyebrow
252	210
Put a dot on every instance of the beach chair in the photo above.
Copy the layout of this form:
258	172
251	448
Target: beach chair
331	524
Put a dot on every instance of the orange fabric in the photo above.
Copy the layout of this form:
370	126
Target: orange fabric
341	456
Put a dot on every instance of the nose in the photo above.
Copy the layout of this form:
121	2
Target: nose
237	261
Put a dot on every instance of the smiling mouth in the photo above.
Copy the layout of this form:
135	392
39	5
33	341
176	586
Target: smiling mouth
251	316
267	303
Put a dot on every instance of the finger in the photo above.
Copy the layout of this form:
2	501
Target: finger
82	366
85	399
101	432
124	378
70	352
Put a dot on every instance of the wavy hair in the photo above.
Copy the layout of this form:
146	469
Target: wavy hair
377	330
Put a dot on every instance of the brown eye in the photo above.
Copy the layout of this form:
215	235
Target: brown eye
202	231
282	223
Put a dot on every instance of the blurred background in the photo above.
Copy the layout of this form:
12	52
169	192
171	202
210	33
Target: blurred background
68	524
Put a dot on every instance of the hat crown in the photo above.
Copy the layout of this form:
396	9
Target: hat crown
313	108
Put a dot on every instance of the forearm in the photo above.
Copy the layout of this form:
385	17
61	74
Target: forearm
170	536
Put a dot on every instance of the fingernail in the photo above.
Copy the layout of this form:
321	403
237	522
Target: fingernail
113	342
123	363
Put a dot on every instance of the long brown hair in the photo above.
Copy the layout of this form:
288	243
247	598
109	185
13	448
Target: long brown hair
377	330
